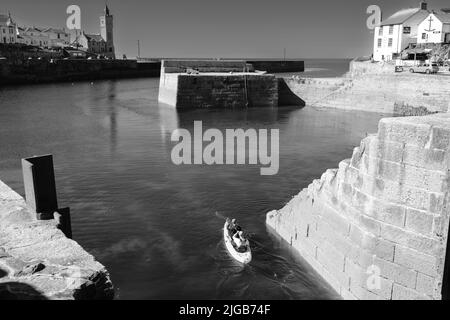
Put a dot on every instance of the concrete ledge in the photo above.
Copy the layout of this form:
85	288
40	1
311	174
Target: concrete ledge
180	66
38	262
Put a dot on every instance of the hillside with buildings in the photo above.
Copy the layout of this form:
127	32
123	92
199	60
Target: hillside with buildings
77	43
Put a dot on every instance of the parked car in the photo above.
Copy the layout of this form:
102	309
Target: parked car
427	68
447	65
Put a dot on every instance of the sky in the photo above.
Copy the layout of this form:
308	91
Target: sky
226	28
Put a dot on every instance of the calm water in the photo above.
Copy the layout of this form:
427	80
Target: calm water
318	68
156	226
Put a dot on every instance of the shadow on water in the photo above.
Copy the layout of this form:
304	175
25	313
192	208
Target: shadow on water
233	118
3	273
17	290
287	97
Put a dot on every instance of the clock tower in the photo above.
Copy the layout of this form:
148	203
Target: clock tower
106	31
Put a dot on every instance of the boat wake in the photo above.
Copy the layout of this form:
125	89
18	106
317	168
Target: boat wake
272	274
268	273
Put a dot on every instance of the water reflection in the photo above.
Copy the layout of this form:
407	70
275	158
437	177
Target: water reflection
112	115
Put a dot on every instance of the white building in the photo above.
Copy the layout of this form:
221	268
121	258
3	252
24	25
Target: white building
8	29
397	32
57	37
33	36
43	37
435	28
92	43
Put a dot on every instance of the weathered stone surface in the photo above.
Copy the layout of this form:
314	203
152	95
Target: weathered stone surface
38	262
382	210
31	269
221	84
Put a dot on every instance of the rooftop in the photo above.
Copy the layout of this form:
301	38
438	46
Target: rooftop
55	30
95	37
443	17
405	15
4	19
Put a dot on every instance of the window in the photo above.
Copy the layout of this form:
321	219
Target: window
380	42
424	36
390	42
391	30
407	30
380	31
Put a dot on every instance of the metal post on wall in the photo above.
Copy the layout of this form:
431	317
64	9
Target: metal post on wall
40	191
139	48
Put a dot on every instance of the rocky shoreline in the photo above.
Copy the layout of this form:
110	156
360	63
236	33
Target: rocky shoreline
37	261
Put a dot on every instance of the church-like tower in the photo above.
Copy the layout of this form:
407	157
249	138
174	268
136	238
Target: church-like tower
106	31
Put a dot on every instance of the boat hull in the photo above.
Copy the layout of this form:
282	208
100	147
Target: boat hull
245	257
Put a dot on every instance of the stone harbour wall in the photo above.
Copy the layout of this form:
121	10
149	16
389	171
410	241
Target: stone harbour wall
358	68
374	88
227	91
180	66
219	84
383	213
168	88
59	70
278	66
38	262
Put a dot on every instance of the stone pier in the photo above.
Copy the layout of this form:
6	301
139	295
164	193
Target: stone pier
377	227
218	84
37	261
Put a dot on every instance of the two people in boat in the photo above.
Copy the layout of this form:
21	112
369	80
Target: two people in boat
237	235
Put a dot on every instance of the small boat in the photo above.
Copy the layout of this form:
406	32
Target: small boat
243	257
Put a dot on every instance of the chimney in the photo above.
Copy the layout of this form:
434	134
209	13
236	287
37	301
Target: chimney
423	5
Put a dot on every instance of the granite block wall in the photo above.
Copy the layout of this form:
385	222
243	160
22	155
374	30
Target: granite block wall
377	227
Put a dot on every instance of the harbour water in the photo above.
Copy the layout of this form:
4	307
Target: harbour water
157	226
322	68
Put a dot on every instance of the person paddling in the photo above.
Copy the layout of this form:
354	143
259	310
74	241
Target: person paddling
233	227
236	242
240	240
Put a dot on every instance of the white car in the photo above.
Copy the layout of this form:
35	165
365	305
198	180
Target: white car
425	68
